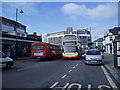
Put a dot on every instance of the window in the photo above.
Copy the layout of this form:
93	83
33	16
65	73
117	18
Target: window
74	32
38	47
93	52
69	37
70	48
111	38
23	35
18	34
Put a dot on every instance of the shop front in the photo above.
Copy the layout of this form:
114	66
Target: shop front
17	47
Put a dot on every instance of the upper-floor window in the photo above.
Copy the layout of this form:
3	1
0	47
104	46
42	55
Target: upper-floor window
18	34
23	35
8	23
74	32
21	27
111	38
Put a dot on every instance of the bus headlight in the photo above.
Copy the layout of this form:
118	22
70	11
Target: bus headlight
76	54
63	54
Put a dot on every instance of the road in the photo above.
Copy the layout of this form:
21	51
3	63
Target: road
57	74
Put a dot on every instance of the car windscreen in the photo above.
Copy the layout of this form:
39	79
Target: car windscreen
93	52
38	47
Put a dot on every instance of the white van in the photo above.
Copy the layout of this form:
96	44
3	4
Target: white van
93	56
5	61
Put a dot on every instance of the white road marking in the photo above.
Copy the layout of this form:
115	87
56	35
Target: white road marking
75	84
109	78
73	67
66	85
89	86
64	76
54	84
62	88
100	87
69	71
76	64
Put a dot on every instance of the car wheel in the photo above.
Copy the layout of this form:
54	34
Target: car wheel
8	66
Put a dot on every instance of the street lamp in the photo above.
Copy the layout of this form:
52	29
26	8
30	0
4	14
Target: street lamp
20	11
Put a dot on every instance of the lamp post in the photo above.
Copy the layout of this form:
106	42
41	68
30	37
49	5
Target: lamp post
16	19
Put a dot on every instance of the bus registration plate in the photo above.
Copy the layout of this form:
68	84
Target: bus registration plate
38	53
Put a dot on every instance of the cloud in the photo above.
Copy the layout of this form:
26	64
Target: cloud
60	0
102	11
98	30
28	7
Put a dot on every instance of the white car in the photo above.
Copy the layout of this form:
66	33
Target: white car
5	61
93	56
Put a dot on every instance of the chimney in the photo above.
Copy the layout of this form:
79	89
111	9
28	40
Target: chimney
35	34
69	29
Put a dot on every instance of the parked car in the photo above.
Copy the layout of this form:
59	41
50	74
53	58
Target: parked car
5	61
93	56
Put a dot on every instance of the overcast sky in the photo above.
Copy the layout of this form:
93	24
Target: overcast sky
48	17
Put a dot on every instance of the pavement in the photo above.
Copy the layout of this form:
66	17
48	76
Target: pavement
23	58
109	65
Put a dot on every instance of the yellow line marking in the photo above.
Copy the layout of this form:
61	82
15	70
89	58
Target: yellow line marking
69	71
109	78
73	67
64	76
54	84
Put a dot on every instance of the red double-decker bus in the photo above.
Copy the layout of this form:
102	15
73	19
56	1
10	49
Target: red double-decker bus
45	50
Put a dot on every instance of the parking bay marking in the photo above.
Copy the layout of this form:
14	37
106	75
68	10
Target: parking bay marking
109	78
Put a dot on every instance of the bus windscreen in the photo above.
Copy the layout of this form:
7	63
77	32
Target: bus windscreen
69	37
70	49
38	47
70	43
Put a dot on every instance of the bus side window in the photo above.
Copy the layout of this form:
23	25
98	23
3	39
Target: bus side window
48	47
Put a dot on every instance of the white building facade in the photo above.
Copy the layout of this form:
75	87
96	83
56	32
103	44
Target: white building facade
85	38
108	40
55	38
83	35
